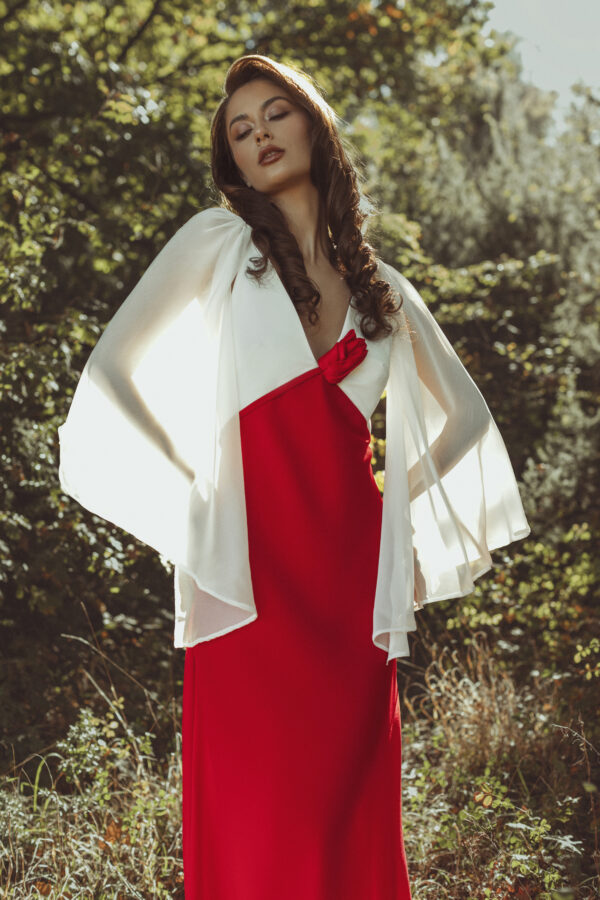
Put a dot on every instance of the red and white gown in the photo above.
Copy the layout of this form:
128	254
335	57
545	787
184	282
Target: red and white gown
293	577
315	812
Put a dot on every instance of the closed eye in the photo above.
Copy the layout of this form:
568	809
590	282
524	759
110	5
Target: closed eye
279	116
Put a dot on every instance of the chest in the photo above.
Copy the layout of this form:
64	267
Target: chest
332	309
272	348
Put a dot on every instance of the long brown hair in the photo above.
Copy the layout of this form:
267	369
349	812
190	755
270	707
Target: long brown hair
341	202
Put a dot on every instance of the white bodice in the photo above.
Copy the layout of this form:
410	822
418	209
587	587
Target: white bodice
271	347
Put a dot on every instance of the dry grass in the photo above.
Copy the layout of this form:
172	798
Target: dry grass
101	817
488	799
488	792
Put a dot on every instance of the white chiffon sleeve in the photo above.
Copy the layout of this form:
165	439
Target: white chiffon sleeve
450	492
142	425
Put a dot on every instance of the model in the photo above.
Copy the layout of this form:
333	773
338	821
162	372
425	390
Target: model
223	418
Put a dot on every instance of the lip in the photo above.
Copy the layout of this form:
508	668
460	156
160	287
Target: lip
270	149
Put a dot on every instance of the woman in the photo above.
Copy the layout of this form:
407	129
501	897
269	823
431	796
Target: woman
224	419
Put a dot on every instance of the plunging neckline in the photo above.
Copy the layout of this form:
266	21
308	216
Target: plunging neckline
292	310
339	337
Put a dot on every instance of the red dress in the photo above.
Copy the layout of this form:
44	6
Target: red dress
314	812
293	579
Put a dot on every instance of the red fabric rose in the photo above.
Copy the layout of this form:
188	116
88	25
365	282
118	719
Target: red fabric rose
343	357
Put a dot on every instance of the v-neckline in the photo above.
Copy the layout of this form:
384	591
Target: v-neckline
340	336
292	309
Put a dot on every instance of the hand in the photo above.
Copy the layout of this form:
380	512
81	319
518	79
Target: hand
419	591
183	467
189	473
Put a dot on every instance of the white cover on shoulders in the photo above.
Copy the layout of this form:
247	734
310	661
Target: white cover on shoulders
171	339
447	475
161	380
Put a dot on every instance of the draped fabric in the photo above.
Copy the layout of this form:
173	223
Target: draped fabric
448	477
152	444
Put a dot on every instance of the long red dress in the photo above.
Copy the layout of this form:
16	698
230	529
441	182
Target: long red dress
293	579
302	693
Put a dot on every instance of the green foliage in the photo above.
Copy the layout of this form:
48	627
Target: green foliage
591	667
489	811
107	820
496	219
502	845
542	597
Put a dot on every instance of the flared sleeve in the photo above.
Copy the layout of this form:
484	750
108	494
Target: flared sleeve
140	446
450	493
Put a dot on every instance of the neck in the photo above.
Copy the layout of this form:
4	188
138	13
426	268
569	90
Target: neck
300	207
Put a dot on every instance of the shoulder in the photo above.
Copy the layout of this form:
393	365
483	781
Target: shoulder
396	279
215	217
208	232
400	283
391	274
406	295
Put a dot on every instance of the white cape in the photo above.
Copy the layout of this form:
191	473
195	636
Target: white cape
162	375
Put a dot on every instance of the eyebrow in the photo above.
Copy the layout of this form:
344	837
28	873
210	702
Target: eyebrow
262	106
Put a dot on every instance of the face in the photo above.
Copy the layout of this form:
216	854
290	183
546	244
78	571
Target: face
282	122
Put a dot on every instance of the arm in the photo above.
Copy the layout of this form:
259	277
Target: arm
147	409
123	392
443	375
181	273
448	475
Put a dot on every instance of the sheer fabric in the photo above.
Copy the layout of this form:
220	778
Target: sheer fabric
151	442
448	477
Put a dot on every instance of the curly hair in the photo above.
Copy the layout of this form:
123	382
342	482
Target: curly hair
334	174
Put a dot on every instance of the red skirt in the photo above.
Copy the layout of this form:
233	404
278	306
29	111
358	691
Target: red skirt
291	724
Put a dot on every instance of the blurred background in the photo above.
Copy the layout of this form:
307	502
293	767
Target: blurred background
485	173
